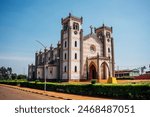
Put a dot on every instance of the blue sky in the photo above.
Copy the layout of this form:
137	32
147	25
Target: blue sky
24	21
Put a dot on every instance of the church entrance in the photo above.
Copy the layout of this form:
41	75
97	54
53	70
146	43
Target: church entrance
92	74
104	71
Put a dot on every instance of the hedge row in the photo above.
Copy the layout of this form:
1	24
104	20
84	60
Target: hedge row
132	91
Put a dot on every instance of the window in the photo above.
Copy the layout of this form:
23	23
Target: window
65	44
65	56
75	69
100	35
65	27
75	26
75	44
65	69
109	50
92	49
107	34
75	56
108	40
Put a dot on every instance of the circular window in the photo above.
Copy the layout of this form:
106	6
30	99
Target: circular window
75	32
92	49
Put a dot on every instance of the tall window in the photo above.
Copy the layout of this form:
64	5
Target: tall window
75	69
65	27
65	56
65	44
107	34
75	44
65	69
109	50
75	56
75	26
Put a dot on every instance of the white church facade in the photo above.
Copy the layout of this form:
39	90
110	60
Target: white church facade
76	57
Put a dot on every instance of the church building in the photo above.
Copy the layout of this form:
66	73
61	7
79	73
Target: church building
76	57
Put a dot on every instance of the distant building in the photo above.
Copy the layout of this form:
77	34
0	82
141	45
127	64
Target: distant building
145	76
147	72
77	57
126	73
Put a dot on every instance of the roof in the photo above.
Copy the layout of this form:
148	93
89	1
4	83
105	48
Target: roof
71	17
126	71
90	35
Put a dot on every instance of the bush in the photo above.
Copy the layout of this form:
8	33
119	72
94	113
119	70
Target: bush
93	81
129	91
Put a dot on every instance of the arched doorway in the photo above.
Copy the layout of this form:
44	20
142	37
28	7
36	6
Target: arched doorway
92	74
104	71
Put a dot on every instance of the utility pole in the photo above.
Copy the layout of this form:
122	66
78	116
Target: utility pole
43	71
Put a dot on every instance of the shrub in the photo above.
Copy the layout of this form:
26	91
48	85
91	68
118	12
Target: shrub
93	81
129	91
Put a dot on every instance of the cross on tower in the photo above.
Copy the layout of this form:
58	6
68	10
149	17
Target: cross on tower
91	27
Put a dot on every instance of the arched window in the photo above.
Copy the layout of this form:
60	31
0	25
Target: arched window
65	56
75	69
75	44
65	27
75	26
65	44
75	56
65	69
109	50
92	49
108	34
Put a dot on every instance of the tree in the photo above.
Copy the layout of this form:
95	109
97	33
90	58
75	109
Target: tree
20	76
14	76
5	73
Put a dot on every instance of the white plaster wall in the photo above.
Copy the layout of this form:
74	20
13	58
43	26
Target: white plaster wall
75	76
54	74
65	76
73	55
65	35
73	43
65	40
39	72
65	51
73	64
87	53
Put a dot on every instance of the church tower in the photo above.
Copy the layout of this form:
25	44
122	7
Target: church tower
104	33
71	42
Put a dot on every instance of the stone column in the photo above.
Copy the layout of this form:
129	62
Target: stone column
81	53
113	61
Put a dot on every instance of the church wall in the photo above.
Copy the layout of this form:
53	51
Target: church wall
107	68
65	75
40	73
55	53
87	53
68	38
52	72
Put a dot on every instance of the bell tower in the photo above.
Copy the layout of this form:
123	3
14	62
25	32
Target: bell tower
71	42
104	33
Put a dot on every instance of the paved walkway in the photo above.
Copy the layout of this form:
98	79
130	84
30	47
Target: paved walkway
58	95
